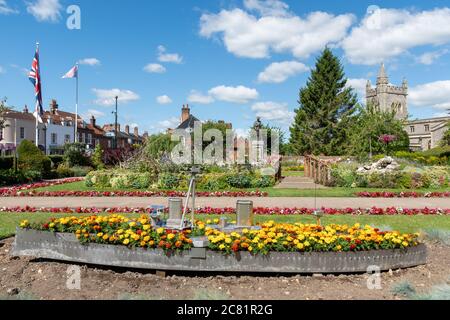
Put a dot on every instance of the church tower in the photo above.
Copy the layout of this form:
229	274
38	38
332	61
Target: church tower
388	97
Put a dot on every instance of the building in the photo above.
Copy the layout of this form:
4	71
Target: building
58	128
424	134
19	126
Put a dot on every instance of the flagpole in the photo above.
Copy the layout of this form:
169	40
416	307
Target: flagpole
37	101
76	107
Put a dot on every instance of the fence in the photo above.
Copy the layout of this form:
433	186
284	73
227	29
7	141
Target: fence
319	168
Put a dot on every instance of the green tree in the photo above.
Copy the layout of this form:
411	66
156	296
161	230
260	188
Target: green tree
368	126
97	157
75	154
158	145
325	107
32	159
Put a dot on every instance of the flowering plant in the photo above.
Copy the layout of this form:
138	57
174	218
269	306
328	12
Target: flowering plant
308	238
385	194
272	237
224	211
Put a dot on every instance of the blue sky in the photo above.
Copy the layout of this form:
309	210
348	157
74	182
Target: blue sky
231	60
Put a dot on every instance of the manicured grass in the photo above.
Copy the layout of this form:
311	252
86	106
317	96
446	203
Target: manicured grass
329	192
9	221
286	173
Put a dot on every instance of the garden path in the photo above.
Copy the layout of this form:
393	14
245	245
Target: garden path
283	202
295	182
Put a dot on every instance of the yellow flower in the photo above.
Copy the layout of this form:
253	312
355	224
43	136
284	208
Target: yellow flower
250	248
51	225
405	244
100	234
105	237
132	224
160	230
300	246
146	227
120	231
170	236
147	238
143	243
136	237
222	246
228	240
126	242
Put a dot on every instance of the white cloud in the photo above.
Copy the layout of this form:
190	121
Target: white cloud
90	62
433	94
429	57
359	85
154	68
387	33
163	56
165	99
238	94
107	97
169	123
279	72
273	111
5	8
2	70
198	97
267	7
441	114
246	35
92	112
45	10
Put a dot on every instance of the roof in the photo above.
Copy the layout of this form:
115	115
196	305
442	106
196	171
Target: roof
20	116
96	129
188	123
59	116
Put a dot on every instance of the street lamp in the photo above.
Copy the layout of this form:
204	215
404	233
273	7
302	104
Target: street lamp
115	125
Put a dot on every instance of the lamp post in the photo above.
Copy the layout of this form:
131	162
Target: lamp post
115	125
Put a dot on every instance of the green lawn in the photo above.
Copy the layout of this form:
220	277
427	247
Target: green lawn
330	192
9	221
286	173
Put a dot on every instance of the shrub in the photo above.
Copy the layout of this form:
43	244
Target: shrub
56	160
344	175
169	181
97	158
63	171
263	182
6	163
240	181
120	179
32	159
75	154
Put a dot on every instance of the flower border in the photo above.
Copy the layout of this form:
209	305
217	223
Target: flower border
262	211
406	194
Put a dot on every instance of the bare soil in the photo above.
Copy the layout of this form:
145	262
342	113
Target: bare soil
27	278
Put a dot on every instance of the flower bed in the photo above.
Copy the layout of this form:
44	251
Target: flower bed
272	237
15	190
374	211
384	194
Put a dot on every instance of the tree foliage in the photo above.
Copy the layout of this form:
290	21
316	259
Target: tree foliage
368	126
3	110
325	107
75	154
31	158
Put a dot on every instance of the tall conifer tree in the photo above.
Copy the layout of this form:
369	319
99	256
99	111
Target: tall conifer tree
325	109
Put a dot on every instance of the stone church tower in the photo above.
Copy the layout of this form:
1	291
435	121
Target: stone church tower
388	97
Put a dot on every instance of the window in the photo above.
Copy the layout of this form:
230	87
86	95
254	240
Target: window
22	133
89	140
54	138
67	138
1	134
80	137
412	129
427	128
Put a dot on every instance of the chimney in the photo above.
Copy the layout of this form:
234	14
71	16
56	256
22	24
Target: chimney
25	109
185	113
136	131
127	129
93	121
54	107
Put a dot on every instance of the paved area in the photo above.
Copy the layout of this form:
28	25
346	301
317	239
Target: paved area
283	202
298	183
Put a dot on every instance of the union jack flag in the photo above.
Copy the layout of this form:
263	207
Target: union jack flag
35	78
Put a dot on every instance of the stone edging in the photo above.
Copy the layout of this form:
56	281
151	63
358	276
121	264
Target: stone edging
65	247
